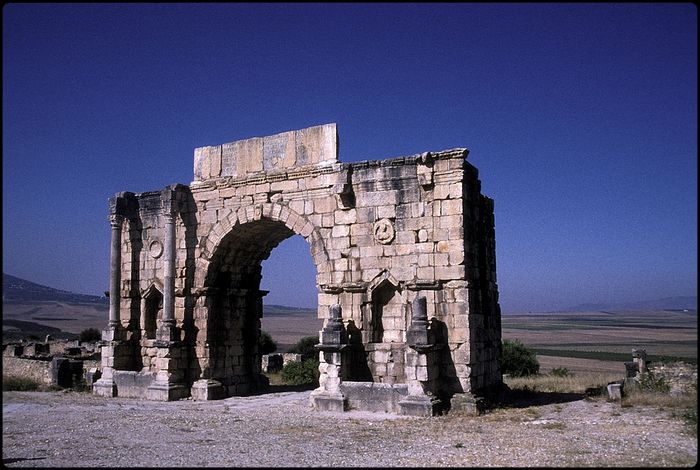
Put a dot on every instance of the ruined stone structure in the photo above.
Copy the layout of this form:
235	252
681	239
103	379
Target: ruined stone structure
404	250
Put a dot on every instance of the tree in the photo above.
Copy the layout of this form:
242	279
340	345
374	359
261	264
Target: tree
518	360
267	344
90	334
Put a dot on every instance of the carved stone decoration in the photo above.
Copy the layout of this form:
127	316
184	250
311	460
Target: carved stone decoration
380	233
384	231
155	249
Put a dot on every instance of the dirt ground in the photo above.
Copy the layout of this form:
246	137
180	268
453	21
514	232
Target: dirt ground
69	429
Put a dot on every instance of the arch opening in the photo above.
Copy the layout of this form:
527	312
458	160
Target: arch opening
235	305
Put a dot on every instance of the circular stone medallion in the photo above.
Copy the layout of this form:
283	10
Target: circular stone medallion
155	248
384	231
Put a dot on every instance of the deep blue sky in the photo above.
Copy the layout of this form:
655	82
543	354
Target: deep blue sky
582	120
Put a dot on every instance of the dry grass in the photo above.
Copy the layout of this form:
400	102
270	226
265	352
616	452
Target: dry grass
635	396
579	365
681	406
576	383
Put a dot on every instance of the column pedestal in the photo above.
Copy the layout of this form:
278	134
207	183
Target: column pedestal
207	389
323	400
105	387
328	396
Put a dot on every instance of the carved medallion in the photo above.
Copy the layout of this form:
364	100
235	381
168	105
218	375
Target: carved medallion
155	248
384	231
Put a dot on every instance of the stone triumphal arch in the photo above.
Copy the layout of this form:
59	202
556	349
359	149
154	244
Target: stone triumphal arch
404	250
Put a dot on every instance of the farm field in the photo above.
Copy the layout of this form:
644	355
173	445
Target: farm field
594	340
579	341
288	326
42	318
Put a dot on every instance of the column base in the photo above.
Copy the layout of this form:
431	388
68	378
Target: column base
168	333
323	400
207	389
113	333
164	391
420	405
104	388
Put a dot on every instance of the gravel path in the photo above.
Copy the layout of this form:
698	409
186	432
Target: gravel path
68	429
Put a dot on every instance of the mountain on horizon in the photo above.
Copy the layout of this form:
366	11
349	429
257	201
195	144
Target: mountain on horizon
18	290
667	303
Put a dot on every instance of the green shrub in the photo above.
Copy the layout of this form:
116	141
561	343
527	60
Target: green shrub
267	344
560	372
305	347
19	384
518	360
648	381
300	373
90	335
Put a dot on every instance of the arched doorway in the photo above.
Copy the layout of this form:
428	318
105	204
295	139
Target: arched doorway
290	316
234	306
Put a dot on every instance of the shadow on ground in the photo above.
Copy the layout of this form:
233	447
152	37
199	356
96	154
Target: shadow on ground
20	459
290	388
524	399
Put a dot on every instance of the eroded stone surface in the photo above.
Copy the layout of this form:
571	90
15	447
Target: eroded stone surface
186	278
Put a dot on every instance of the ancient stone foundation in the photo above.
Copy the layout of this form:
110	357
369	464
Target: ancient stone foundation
404	250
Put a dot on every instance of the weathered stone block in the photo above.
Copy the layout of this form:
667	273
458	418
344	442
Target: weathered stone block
400	220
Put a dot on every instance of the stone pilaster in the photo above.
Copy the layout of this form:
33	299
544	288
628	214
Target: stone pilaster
169	382
171	362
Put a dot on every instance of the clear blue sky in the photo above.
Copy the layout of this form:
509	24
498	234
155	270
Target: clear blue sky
582	120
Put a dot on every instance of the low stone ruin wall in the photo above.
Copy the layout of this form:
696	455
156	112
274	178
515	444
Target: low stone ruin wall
681	376
38	370
34	369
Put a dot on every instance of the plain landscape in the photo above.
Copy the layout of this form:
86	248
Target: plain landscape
590	341
549	421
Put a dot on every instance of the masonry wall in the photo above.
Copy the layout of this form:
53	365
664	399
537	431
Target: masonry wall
381	233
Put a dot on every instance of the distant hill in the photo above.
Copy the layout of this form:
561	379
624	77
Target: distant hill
17	290
282	310
667	303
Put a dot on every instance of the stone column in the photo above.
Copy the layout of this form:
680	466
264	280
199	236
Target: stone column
169	271
106	386
168	331
206	387
115	270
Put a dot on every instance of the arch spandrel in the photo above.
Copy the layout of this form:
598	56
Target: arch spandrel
274	212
